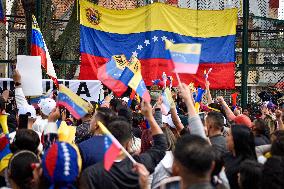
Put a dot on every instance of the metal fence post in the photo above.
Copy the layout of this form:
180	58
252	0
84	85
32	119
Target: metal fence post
244	66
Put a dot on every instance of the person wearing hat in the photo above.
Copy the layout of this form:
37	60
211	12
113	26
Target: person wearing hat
61	165
240	119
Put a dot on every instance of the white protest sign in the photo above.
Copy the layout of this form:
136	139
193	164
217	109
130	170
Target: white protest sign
90	90
30	70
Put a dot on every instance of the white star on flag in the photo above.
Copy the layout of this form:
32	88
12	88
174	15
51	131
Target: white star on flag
134	53
164	38
140	47
172	41
155	38
147	42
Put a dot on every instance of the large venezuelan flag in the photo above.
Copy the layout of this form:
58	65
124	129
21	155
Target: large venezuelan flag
142	32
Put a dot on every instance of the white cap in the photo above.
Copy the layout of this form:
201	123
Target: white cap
168	120
46	105
125	99
27	109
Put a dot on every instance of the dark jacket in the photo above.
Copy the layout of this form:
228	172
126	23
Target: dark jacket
121	175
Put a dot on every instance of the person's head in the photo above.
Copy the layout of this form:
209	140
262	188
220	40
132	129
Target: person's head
246	112
250	175
61	165
170	137
240	141
260	128
122	131
46	106
24	171
126	113
243	120
114	104
90	113
104	115
276	134
193	158
25	139
273	173
214	122
277	147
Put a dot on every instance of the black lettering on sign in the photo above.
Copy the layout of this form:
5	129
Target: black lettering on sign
83	89
12	85
47	84
67	84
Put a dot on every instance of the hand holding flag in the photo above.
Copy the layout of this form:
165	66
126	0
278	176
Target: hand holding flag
113	148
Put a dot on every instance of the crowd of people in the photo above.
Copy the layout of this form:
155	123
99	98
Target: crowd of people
217	146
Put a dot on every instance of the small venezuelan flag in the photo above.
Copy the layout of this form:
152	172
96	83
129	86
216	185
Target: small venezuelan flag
109	74
132	75
72	102
185	57
112	147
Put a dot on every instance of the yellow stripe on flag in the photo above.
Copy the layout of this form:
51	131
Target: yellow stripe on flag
159	16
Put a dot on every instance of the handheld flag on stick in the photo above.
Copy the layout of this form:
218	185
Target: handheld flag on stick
234	97
112	148
2	13
72	102
198	98
131	97
109	74
39	48
206	75
184	56
132	75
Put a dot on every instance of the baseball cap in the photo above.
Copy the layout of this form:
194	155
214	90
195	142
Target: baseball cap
243	120
27	109
46	105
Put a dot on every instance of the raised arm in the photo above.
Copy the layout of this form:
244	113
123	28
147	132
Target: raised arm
194	121
176	120
146	110
230	115
209	97
21	100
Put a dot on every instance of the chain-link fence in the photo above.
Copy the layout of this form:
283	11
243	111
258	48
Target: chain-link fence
266	37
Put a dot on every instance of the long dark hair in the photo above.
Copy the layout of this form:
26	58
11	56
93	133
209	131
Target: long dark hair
243	142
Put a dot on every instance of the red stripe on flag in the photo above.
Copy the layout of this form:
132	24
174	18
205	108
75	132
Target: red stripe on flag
116	86
222	75
110	156
37	51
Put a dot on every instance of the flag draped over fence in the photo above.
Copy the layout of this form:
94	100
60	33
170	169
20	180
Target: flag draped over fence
142	32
